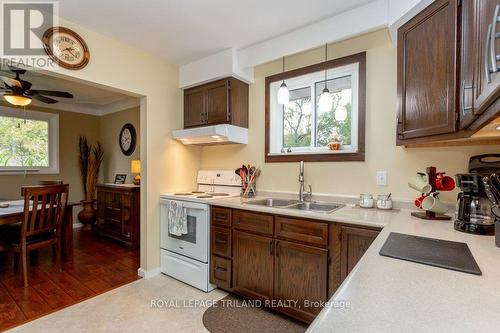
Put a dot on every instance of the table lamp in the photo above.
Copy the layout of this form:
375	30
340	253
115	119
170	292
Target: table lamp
136	169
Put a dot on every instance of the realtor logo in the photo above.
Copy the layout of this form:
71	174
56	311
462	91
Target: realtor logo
23	25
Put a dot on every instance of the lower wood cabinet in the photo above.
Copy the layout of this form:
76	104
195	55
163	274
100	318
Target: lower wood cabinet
347	245
220	274
301	275
268	257
253	258
354	243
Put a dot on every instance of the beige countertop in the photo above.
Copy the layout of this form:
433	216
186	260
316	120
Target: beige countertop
388	295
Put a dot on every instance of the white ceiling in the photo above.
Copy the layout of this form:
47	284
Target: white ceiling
87	99
182	31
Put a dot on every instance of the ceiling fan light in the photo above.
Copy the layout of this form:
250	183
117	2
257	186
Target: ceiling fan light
17	100
325	102
283	94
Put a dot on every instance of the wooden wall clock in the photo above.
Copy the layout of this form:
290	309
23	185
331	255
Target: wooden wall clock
128	139
66	48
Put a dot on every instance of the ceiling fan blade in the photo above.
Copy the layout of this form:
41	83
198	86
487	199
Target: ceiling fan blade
11	82
44	99
25	84
53	93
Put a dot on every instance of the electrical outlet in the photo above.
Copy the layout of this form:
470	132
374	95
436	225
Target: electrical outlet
382	178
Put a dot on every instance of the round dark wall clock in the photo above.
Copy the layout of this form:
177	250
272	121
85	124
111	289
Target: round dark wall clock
66	48
128	139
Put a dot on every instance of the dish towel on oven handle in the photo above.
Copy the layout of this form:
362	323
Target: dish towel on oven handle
177	219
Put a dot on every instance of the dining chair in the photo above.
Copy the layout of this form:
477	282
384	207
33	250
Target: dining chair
41	225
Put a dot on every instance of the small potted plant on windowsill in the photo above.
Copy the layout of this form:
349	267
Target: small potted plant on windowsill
90	158
334	143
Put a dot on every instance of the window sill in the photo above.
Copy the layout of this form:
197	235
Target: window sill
316	152
29	172
333	156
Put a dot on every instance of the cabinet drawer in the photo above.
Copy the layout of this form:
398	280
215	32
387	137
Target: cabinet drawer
221	216
220	272
220	239
303	231
255	222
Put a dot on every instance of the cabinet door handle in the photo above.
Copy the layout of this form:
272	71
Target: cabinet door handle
486	55
220	216
277	249
220	241
493	40
221	269
271	248
464	108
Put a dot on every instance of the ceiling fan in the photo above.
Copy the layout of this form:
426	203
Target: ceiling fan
19	93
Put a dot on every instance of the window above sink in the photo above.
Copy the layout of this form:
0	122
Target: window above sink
301	129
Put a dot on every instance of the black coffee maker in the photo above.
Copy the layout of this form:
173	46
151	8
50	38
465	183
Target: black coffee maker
477	202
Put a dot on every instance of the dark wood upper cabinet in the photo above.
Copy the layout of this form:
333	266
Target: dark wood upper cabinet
221	102
486	55
466	108
448	73
301	275
427	72
253	263
194	107
218	110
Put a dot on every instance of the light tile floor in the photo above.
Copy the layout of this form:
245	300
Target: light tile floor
129	309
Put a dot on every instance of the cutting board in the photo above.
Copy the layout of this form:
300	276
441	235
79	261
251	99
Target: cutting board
430	251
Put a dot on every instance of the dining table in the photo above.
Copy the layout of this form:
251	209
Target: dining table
14	213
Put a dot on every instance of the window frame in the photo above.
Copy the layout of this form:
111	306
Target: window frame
53	123
321	155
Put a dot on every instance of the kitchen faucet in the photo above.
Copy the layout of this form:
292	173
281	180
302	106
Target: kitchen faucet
302	192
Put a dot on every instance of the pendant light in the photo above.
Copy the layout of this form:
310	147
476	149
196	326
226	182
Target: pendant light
325	102
283	93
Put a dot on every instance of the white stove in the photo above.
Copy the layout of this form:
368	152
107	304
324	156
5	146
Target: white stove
214	184
186	256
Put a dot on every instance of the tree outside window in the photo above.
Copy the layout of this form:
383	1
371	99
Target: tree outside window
24	143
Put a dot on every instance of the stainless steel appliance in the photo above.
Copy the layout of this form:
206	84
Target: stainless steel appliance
185	257
474	207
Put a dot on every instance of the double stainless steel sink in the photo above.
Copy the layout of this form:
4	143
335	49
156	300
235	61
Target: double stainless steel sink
307	206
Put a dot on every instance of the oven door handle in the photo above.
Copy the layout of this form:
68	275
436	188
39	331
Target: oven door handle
185	204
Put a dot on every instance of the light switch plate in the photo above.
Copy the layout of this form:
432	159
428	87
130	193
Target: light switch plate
382	178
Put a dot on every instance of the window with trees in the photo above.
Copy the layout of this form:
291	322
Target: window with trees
304	129
28	141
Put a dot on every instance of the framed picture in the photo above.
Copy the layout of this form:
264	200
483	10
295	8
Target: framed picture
120	178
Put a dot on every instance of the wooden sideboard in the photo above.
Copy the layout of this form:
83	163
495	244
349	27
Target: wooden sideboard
118	216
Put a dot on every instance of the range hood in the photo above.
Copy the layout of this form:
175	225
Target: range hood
212	135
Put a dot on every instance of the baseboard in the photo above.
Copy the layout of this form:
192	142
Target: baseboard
148	274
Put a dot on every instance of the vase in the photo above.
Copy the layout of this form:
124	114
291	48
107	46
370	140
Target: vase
88	214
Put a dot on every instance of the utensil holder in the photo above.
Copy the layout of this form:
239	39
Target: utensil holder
251	192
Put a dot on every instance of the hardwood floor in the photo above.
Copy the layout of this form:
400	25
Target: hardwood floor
99	265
